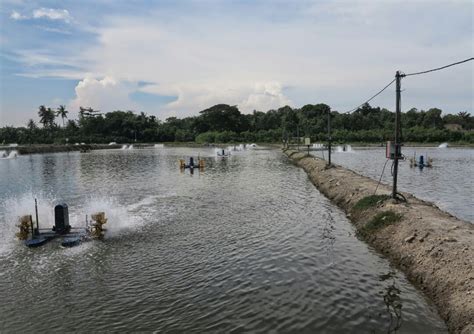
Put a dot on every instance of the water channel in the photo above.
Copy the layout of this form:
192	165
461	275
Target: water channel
449	183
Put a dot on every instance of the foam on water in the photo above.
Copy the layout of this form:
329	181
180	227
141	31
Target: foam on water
120	218
221	152
159	145
16	207
443	145
124	147
6	155
236	148
344	149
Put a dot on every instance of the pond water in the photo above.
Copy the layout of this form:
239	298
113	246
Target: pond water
449	183
247	245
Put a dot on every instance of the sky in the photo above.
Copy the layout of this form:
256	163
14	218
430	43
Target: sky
176	58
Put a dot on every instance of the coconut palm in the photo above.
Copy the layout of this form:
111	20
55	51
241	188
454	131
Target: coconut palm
31	125
51	117
46	116
62	112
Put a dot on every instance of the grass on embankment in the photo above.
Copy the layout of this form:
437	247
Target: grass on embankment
370	201
380	220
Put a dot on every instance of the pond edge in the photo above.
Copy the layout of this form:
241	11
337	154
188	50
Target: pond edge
433	248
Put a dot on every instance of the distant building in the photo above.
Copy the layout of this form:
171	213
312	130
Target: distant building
453	127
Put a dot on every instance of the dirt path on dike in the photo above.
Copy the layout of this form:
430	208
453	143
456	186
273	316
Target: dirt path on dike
433	248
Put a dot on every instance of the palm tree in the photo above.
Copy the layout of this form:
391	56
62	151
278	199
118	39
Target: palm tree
51	117
31	125
43	115
62	112
46	116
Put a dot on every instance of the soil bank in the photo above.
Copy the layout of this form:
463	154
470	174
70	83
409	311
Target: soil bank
433	248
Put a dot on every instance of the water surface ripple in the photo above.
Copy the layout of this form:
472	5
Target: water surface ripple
248	245
449	183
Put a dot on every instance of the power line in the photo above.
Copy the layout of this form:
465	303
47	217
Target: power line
373	97
439	68
406	75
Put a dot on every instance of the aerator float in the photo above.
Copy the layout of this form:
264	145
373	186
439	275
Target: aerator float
70	236
191	165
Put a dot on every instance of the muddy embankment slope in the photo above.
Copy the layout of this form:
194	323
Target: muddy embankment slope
433	248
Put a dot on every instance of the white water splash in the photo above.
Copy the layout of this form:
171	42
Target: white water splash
159	145
13	209
221	152
252	146
6	155
317	146
344	149
119	217
124	147
443	145
236	148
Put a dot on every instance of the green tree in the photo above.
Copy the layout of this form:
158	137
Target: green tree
290	120
433	119
223	117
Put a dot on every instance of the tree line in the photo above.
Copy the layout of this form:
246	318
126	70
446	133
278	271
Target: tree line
223	123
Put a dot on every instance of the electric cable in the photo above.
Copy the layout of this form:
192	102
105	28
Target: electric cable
373	97
438	68
400	197
380	179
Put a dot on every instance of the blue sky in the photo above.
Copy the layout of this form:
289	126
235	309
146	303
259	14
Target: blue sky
175	58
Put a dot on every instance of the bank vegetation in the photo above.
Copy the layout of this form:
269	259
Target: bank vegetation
226	124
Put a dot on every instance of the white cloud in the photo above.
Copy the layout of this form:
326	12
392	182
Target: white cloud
17	16
42	57
265	96
105	94
52	14
55	30
205	62
196	96
338	53
44	13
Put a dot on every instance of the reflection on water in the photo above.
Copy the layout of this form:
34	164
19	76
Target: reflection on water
247	245
449	183
393	302
327	234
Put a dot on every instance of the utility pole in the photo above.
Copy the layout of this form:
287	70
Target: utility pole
329	137
298	137
398	77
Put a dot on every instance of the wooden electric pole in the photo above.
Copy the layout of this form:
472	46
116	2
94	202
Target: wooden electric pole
329	137
398	77
298	137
